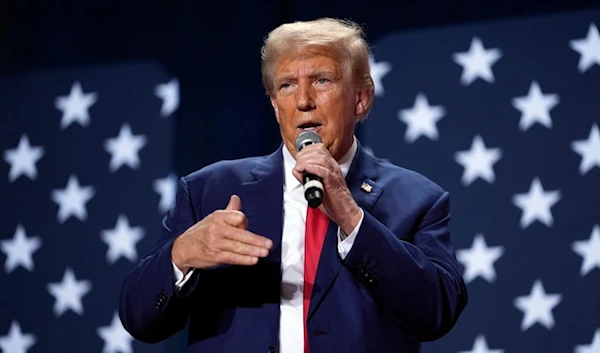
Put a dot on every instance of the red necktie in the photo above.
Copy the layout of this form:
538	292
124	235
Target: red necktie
316	228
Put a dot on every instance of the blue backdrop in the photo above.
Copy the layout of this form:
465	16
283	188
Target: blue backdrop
505	115
103	105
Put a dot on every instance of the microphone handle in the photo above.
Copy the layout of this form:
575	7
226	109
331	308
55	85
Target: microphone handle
313	189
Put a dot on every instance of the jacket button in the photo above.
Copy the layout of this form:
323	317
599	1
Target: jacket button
371	282
271	349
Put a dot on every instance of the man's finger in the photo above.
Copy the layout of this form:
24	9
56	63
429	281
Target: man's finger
242	248
236	219
317	170
226	257
302	163
235	203
247	237
298	175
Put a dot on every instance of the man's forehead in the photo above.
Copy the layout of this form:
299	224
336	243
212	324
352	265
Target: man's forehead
307	61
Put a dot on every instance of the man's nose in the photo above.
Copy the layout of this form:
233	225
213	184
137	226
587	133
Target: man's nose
304	98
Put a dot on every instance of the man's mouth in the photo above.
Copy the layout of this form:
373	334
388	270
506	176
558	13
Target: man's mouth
309	126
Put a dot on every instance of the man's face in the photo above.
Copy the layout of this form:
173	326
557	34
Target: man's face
314	92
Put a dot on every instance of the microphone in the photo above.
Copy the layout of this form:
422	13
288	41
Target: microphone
313	185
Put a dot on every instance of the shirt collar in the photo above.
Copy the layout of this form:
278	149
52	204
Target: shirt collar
290	182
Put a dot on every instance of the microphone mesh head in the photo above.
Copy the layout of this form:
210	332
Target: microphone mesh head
307	138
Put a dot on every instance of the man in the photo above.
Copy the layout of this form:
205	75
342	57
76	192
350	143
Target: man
380	277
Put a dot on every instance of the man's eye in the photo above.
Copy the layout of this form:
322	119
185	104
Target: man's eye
322	80
284	85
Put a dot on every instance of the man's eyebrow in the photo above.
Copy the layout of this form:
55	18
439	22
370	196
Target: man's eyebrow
284	77
322	73
312	74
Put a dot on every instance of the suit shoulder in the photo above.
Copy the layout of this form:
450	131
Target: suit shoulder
409	181
234	169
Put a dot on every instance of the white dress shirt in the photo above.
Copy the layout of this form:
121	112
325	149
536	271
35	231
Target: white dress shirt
291	329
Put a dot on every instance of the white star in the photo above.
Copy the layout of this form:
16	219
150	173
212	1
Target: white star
115	338
75	107
69	293
536	204
479	259
589	150
378	71
22	159
477	62
535	107
478	161
537	306
589	250
72	199
122	240
19	250
588	48
421	119
169	93
124	149
480	346
15	341
166	188
593	347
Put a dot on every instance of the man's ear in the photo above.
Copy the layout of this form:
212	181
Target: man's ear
364	101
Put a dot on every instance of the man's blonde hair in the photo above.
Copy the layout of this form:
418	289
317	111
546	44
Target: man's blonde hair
344	37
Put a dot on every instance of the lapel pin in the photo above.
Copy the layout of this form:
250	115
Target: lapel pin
366	187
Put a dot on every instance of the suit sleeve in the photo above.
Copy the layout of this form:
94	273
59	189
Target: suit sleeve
413	274
151	307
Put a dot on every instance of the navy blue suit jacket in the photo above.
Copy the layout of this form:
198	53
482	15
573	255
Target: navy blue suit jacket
399	285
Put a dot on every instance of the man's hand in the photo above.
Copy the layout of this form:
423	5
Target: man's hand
220	238
338	202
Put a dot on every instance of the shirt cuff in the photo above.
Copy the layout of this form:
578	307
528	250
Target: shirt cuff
345	242
180	280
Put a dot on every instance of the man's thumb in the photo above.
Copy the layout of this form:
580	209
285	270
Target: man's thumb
235	203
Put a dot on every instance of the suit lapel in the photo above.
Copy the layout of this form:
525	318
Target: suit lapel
262	203
362	182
